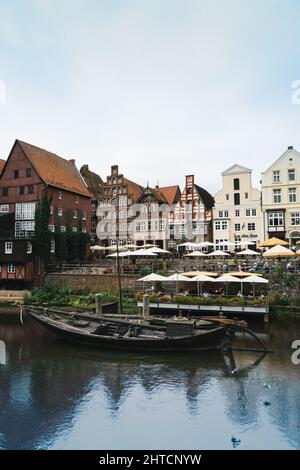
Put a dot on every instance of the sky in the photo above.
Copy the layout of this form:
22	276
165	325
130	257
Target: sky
163	88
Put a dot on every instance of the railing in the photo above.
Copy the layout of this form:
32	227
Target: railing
9	234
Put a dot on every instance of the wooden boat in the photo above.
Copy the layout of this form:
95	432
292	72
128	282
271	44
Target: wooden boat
118	334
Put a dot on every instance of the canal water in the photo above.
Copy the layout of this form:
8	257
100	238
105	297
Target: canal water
55	395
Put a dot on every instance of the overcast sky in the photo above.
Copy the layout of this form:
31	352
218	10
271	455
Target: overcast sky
163	88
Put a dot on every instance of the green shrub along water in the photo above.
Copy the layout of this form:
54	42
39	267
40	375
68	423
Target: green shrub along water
55	295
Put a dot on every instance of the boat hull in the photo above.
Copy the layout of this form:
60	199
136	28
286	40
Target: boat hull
204	340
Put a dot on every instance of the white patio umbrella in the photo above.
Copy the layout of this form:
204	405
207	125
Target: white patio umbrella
248	253
98	248
227	279
279	251
177	278
144	253
218	253
196	254
255	280
123	254
147	245
200	279
158	250
151	278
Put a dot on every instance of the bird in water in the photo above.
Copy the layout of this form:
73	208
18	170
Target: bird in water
235	442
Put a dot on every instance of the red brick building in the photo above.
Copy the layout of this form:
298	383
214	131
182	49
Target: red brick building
94	183
28	174
2	163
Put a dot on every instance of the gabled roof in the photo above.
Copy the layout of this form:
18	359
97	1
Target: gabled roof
92	180
289	150
54	170
206	197
170	193
236	169
2	163
133	188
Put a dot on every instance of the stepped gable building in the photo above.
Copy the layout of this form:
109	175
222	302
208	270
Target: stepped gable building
115	208
280	185
194	213
28	174
155	220
237	212
94	183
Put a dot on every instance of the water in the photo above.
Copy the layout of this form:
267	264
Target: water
59	396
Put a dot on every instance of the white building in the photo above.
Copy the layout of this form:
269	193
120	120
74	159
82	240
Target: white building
237	211
281	197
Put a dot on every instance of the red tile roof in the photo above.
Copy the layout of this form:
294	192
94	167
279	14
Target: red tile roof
54	170
170	193
2	163
133	188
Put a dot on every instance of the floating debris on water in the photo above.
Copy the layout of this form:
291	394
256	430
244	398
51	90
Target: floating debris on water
267	386
235	442
267	403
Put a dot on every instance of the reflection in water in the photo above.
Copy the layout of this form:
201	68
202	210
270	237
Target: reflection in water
58	395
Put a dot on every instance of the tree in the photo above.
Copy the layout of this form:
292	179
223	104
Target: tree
42	233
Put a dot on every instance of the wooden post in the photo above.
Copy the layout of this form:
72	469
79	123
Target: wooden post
98	303
266	318
146	305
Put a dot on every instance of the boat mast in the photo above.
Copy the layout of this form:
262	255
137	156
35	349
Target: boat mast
119	279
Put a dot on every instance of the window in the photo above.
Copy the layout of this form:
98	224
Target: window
220	214
237	227
237	213
30	189
221	244
248	212
4	208
292	195
277	196
251	227
75	214
24	228
8	248
276	176
11	269
28	172
52	246
76	199
291	175
224	225
83	230
253	212
237	199
16	174
5	192
246	195
84	216
62	228
226	214
59	212
51	210
217	225
227	197
51	228
74	229
137	227
59	195
25	211
28	248
295	218
275	219
93	207
22	190
93	224
236	184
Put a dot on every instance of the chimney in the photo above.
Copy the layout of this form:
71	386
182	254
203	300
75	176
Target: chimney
84	167
72	160
290	147
114	170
